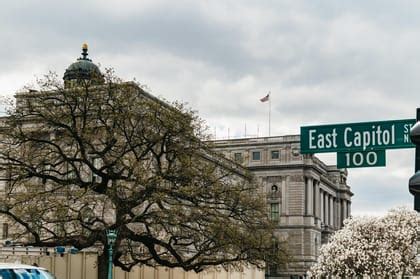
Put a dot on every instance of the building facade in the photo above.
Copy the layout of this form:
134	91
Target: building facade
306	198
73	145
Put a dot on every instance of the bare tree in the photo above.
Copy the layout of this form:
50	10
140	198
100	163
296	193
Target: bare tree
85	158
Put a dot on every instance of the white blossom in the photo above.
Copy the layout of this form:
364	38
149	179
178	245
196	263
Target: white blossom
371	246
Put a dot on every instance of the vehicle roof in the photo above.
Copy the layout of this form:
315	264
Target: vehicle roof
16	265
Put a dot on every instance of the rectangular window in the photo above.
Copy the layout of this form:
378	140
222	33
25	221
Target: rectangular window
43	170
5	233
8	178
70	171
97	164
275	154
256	155
5	179
238	157
272	270
274	211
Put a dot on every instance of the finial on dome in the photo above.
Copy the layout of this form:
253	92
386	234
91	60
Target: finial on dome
84	51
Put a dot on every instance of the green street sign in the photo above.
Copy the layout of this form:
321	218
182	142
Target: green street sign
352	137
361	159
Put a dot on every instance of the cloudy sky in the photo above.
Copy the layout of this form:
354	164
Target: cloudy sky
323	61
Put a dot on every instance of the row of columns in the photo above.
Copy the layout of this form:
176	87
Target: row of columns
323	205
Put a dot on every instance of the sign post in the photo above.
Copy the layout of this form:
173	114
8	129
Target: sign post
414	182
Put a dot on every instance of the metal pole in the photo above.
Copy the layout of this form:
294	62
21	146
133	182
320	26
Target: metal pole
417	162
110	262
111	237
269	113
417	167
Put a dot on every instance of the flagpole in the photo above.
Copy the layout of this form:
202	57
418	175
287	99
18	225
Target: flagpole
265	99
269	113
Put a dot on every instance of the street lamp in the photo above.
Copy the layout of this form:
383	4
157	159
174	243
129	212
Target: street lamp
111	236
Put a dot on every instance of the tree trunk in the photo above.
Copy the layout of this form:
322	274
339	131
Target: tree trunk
103	265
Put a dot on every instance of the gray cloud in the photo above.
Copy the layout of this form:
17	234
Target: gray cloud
323	61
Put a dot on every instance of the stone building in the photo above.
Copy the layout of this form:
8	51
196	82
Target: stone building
57	164
307	198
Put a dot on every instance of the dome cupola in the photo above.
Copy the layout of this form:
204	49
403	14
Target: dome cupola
83	70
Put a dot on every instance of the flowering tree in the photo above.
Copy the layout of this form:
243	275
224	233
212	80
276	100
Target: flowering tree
373	246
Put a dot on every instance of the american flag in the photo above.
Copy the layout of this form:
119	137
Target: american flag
265	98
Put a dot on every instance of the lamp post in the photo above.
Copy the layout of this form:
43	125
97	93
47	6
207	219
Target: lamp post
111	236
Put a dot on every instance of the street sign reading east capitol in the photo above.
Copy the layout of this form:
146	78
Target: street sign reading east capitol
352	137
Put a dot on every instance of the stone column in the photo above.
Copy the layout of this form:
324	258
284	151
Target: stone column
321	205
339	213
345	209
284	207
317	194
310	198
326	210
331	198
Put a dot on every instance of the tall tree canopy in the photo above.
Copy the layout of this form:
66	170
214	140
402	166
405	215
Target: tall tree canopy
380	247
85	158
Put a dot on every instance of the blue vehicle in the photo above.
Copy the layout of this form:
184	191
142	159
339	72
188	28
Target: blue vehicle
22	271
